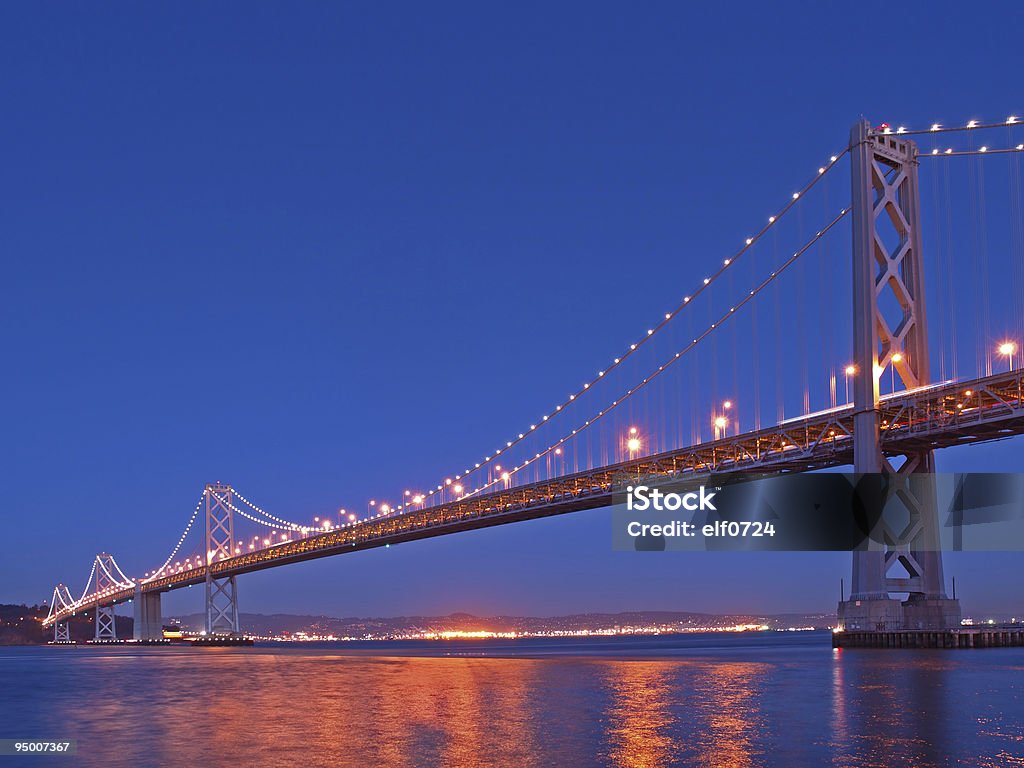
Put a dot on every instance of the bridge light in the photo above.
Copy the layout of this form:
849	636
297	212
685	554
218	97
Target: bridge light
1008	349
633	442
897	357
721	422
457	488
727	404
850	370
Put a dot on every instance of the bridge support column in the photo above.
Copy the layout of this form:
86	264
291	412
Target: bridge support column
221	606
61	601
148	618
221	593
103	571
106	624
888	265
61	632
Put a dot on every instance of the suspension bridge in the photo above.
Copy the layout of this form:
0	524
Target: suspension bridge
903	397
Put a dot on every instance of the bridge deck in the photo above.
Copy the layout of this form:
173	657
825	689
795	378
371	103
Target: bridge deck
936	416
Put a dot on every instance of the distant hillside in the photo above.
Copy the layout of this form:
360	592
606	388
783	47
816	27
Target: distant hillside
23	625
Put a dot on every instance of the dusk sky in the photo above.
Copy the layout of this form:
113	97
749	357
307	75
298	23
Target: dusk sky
327	251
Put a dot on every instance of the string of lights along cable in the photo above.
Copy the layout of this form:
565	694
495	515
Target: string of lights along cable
765	330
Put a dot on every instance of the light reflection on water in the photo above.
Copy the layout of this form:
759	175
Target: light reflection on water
701	701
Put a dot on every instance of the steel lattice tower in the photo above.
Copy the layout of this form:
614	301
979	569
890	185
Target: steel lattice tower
888	273
106	624
221	594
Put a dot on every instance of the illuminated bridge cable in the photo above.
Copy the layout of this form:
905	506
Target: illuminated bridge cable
661	369
127	581
971	125
88	582
985	150
59	597
668	316
65	596
280	521
53	602
269	523
117	582
181	539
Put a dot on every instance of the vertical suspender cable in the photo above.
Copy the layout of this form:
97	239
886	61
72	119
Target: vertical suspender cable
953	350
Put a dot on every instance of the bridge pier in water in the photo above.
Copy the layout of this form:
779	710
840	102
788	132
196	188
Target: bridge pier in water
885	183
149	623
964	637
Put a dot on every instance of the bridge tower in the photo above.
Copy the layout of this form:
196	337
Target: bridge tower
889	328
221	594
61	599
106	624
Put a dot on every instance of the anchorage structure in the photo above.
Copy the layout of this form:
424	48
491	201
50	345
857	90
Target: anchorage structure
221	593
889	328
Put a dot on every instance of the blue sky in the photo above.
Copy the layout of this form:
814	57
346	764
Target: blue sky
311	249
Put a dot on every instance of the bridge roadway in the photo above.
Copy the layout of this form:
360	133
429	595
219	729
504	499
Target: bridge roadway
936	416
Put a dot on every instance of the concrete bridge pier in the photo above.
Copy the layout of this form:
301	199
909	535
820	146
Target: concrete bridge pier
148	619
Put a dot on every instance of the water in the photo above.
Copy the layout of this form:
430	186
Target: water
701	700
